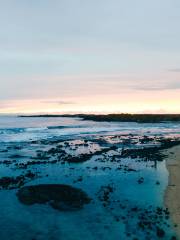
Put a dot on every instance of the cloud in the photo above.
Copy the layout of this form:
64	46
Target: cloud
158	87
176	70
58	102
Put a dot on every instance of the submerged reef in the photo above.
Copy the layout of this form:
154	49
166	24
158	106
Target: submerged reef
59	196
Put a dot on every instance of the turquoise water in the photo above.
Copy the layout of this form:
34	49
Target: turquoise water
24	137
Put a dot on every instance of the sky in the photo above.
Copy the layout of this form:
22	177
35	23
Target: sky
100	56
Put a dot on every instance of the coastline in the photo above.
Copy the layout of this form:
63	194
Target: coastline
121	117
172	195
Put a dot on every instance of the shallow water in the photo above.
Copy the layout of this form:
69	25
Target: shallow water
21	139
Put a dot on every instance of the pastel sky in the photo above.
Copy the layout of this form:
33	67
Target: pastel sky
89	56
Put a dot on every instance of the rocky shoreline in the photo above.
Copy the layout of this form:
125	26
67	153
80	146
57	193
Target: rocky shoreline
123	117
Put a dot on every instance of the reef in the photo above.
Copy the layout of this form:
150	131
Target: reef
59	196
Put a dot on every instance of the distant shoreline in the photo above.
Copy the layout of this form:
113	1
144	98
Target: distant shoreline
172	195
139	118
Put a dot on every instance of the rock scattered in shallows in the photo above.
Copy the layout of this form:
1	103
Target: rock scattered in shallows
59	196
16	182
3	150
79	179
160	232
157	183
78	159
146	153
111	149
16	156
7	162
151	221
61	154
30	163
140	180
104	194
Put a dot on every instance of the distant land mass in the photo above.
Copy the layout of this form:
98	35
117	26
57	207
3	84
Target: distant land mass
139	118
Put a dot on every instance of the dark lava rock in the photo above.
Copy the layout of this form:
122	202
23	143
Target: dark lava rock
59	196
140	180
7	162
78	159
160	232
146	153
16	156
8	182
16	182
104	194
3	150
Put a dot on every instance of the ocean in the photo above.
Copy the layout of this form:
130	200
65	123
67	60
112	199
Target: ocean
126	187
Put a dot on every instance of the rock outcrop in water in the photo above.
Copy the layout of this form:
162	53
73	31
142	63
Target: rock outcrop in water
59	196
16	182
